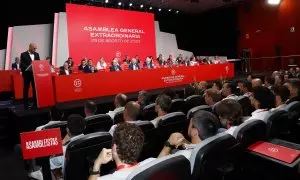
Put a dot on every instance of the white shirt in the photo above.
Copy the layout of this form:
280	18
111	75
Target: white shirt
18	66
155	121
281	107
49	123
112	129
59	161
232	96
101	66
67	72
113	113
259	114
247	94
122	175
231	130
31	56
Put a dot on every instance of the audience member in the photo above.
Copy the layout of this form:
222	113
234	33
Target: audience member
294	86
90	108
245	88
134	65
262	100
269	82
130	114
171	93
119	102
75	128
212	96
256	82
297	72
275	73
82	65
202	86
143	99
162	106
217	85
285	78
70	62
189	91
101	64
249	78
279	80
230	113
282	94
127	144
16	64
229	90
201	126
115	66
65	70
292	73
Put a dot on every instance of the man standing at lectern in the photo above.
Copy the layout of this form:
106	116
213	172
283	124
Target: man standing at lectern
26	60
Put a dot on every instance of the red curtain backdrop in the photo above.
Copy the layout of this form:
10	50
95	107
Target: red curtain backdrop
87	26
269	26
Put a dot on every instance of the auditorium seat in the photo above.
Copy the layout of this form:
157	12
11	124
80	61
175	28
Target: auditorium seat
118	117
62	125
145	125
149	112
277	124
293	110
176	105
96	123
82	152
192	111
175	167
192	101
246	105
214	157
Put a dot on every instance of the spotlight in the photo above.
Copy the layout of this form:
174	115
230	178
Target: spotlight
159	9
177	12
274	2
130	4
119	3
106	1
150	8
142	5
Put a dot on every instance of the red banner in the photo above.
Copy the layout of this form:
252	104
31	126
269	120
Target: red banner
84	86
41	143
18	86
43	83
94	32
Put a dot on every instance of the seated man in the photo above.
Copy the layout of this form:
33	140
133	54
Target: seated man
127	144
82	65
202	126
115	66
143	99
70	62
90	108
189	91
162	106
229	90
256	82
148	64
55	117
294	87
212	97
230	113
202	86
90	68
245	88
269	82
75	128
282	94
119	102
16	64
130	114
65	69
134	65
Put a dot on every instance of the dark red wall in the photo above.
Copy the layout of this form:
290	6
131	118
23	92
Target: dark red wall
269	26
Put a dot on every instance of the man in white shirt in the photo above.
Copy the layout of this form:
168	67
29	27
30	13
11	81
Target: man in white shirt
90	108
202	126
131	112
282	94
230	113
119	102
162	106
75	128
212	97
127	144
229	90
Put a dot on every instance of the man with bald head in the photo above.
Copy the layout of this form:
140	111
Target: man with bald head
130	114
256	82
119	102
26	59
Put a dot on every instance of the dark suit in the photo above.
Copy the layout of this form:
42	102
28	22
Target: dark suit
28	76
115	68
80	68
71	63
131	66
14	66
88	69
146	65
63	72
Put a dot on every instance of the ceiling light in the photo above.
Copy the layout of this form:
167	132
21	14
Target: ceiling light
119	3
150	8
177	12
106	1
130	4
170	10
159	9
274	2
142	6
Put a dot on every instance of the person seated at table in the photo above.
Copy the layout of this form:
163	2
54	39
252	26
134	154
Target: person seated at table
70	62
65	70
134	65
161	60
115	66
186	62
127	59
148	64
193	61
89	68
179	59
16	64
119	103
82	65
137	59
101	64
170	59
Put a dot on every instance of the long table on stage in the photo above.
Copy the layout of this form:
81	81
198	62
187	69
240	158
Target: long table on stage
80	86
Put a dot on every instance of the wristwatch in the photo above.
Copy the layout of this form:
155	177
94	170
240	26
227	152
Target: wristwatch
167	144
94	172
